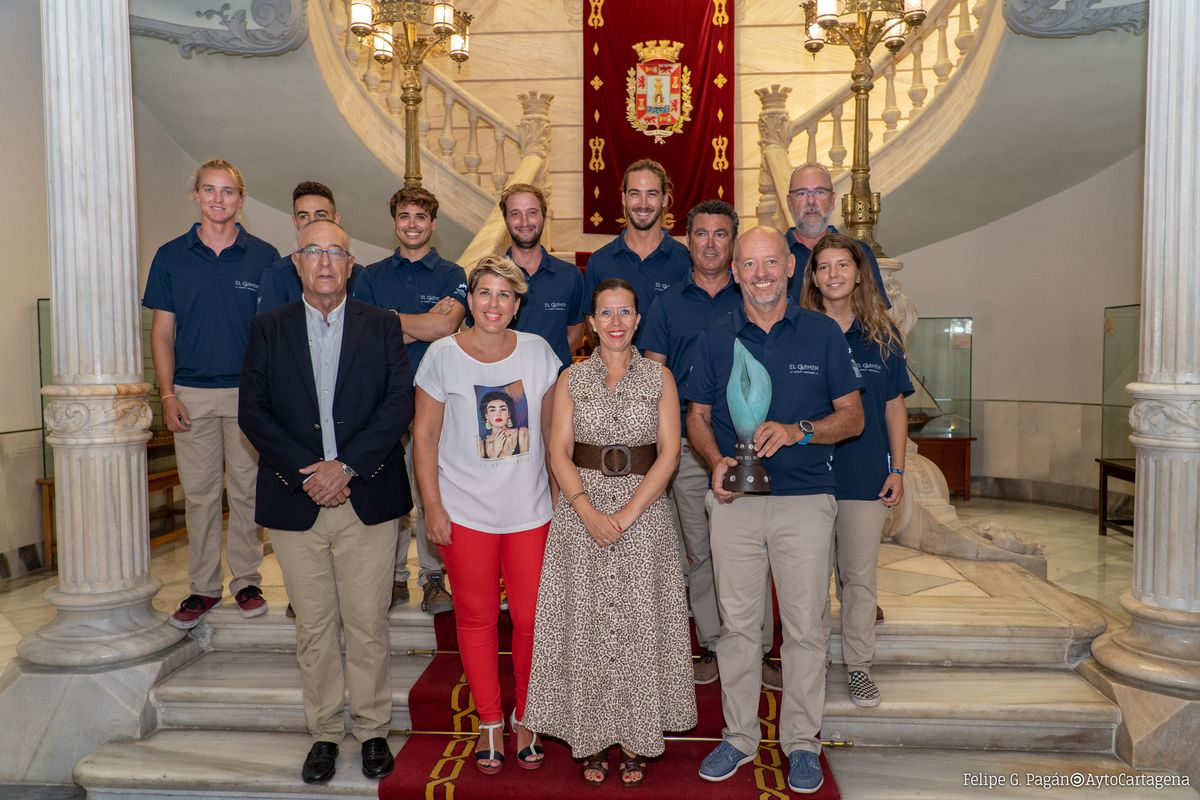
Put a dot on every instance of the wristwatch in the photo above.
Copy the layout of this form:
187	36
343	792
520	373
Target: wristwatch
807	429
349	470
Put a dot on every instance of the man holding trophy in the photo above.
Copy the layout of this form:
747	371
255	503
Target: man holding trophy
774	385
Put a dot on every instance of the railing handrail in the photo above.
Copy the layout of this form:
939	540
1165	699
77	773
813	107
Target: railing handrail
473	105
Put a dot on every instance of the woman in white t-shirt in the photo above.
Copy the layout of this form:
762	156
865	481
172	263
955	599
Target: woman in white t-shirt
483	406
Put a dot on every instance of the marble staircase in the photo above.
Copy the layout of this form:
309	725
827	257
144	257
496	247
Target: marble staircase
970	678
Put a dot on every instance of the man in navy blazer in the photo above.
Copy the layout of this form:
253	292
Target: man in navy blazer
326	393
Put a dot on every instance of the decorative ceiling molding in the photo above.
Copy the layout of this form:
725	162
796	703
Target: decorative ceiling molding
282	26
1076	17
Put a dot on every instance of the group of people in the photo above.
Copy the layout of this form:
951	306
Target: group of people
594	489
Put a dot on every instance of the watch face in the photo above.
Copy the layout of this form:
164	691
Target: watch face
806	426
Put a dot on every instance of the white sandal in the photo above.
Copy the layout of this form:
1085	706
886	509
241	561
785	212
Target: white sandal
531	756
491	753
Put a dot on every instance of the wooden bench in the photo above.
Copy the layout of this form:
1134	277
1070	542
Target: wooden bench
164	481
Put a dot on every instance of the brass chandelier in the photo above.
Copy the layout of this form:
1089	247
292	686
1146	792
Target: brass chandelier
407	31
861	25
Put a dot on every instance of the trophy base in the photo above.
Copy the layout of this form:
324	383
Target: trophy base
749	476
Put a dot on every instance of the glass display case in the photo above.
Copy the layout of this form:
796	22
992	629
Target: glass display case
160	449
1122	327
939	365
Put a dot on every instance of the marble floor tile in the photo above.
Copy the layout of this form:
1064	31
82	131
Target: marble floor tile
889	553
953	589
906	583
927	565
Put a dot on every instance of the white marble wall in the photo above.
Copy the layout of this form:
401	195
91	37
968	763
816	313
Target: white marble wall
21	521
1038	451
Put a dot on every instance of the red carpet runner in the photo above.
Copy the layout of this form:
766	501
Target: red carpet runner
442	767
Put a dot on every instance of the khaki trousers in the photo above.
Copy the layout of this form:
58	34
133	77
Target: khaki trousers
338	576
790	536
413	526
853	557
213	449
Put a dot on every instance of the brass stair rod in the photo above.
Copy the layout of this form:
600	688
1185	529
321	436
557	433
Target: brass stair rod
420	652
824	742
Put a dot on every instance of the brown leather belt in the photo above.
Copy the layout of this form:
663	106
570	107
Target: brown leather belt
615	460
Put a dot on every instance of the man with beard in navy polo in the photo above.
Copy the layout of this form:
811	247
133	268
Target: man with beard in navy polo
429	294
644	254
553	304
810	201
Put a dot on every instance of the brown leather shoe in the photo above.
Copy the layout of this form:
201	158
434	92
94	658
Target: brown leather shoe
772	675
878	614
399	593
704	668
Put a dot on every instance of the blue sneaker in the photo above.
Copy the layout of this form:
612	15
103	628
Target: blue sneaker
804	772
722	762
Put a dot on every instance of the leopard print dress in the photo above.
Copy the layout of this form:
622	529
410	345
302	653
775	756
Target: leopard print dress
611	652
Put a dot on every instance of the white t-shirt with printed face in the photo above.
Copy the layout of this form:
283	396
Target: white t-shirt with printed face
491	455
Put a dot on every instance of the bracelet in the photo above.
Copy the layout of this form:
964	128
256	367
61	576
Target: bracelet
571	500
165	396
895	471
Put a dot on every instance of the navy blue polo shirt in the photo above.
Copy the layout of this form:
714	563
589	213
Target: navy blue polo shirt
553	302
809	363
280	284
802	252
213	298
861	464
411	287
667	265
675	321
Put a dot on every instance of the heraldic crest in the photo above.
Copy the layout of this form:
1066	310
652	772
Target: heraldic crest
659	89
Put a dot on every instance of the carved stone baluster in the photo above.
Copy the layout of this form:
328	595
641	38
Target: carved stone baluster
979	10
373	74
773	143
837	153
810	154
965	35
338	11
943	65
447	141
424	124
353	46
395	98
472	159
891	111
917	90
500	176
534	127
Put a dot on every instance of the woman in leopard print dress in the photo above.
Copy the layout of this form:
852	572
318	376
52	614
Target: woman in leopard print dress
612	656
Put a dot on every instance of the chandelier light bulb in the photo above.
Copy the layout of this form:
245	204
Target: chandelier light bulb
460	46
443	18
914	12
361	14
893	37
383	47
815	40
827	13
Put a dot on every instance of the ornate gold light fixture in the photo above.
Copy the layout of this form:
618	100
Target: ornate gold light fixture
861	25
408	31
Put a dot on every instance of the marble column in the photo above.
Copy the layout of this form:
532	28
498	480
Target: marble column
97	416
1161	646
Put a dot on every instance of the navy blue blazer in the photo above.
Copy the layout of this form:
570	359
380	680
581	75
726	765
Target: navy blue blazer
372	409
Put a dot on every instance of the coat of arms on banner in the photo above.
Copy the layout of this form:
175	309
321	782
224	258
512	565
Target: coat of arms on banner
660	90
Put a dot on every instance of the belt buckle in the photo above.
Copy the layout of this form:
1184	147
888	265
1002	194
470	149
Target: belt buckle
626	466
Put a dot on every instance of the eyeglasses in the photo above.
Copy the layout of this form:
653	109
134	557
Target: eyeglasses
624	312
819	194
313	253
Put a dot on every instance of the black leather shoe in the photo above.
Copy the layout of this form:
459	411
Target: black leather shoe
321	763
377	758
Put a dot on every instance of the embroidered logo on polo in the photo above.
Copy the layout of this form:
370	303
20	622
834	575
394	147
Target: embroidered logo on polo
461	291
554	305
804	369
868	366
246	286
661	287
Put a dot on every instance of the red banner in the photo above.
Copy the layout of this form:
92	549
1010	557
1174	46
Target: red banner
658	83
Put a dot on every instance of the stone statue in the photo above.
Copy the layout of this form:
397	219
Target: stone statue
1007	539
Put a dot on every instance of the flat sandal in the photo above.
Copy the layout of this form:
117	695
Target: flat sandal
597	762
630	764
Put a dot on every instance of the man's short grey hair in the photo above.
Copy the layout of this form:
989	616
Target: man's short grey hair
812	165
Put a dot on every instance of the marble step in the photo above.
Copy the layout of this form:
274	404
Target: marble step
257	691
969	707
240	765
225	629
1052	631
974	708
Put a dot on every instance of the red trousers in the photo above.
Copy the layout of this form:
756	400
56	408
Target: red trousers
475	561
